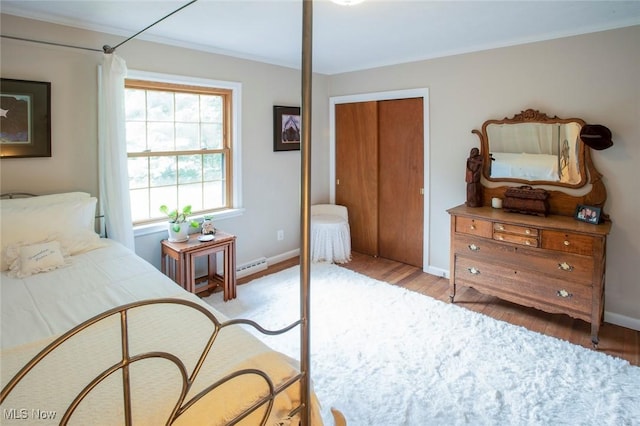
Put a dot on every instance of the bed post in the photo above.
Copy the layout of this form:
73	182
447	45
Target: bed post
305	276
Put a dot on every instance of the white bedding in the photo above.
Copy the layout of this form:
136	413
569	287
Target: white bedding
524	166
38	308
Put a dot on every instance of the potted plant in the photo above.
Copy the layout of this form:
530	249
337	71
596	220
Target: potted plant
179	223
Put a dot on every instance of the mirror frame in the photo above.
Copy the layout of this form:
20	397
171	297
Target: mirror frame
534	117
563	198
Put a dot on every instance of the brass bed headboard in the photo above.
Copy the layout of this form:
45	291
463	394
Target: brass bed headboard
12	195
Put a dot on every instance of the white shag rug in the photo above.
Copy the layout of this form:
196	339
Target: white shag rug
387	356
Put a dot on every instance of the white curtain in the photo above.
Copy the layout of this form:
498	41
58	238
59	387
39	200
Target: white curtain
112	151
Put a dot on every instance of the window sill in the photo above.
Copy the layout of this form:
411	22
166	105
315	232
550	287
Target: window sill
153	228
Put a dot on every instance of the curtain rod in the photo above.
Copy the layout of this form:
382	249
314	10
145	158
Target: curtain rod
106	48
50	42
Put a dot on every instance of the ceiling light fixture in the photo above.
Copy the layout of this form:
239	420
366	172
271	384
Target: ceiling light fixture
347	2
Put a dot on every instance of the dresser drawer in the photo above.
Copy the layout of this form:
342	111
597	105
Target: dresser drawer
568	242
526	287
468	245
481	228
564	266
516	239
515	229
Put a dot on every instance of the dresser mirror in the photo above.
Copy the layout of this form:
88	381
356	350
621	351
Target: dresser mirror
532	148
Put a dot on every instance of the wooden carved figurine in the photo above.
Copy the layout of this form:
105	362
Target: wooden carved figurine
474	187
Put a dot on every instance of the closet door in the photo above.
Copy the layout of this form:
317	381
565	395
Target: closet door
401	180
356	130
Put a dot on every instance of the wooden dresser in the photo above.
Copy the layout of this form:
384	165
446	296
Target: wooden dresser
554	263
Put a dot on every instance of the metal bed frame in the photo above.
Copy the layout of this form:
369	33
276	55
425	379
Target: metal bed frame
182	405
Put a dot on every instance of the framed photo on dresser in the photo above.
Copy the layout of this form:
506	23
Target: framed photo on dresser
589	214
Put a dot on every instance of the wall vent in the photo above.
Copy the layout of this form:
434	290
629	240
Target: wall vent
252	267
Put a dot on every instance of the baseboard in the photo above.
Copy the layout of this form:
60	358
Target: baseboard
282	257
622	320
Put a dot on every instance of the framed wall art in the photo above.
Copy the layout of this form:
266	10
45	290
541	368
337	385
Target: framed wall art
588	214
286	128
25	118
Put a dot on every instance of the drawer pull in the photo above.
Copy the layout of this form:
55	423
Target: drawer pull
474	247
500	228
500	237
473	271
527	231
564	293
565	266
566	242
527	242
472	227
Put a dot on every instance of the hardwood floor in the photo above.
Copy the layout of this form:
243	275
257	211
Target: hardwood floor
614	340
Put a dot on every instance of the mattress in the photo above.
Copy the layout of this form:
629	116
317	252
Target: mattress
37	309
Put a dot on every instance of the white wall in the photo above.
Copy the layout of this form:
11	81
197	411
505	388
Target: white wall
594	77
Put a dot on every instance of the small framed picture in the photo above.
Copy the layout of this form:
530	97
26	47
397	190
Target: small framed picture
589	214
25	118
286	128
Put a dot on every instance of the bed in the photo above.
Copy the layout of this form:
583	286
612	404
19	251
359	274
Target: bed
92	331
525	166
531	151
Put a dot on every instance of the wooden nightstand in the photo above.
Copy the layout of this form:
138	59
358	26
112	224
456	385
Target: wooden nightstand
178	263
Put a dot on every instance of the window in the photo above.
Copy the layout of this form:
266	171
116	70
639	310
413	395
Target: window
179	147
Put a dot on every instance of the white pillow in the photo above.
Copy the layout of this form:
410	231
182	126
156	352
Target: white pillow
28	260
69	222
43	200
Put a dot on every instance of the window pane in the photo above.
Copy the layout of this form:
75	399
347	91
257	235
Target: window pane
136	136
187	136
187	107
191	194
160	136
138	172
214	195
139	204
159	106
212	136
163	171
211	108
167	195
134	103
213	169
189	169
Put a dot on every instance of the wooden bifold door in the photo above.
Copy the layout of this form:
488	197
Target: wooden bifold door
380	176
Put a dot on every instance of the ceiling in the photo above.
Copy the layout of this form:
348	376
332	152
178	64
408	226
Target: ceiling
345	38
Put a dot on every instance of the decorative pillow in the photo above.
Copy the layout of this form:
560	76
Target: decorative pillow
70	222
31	259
